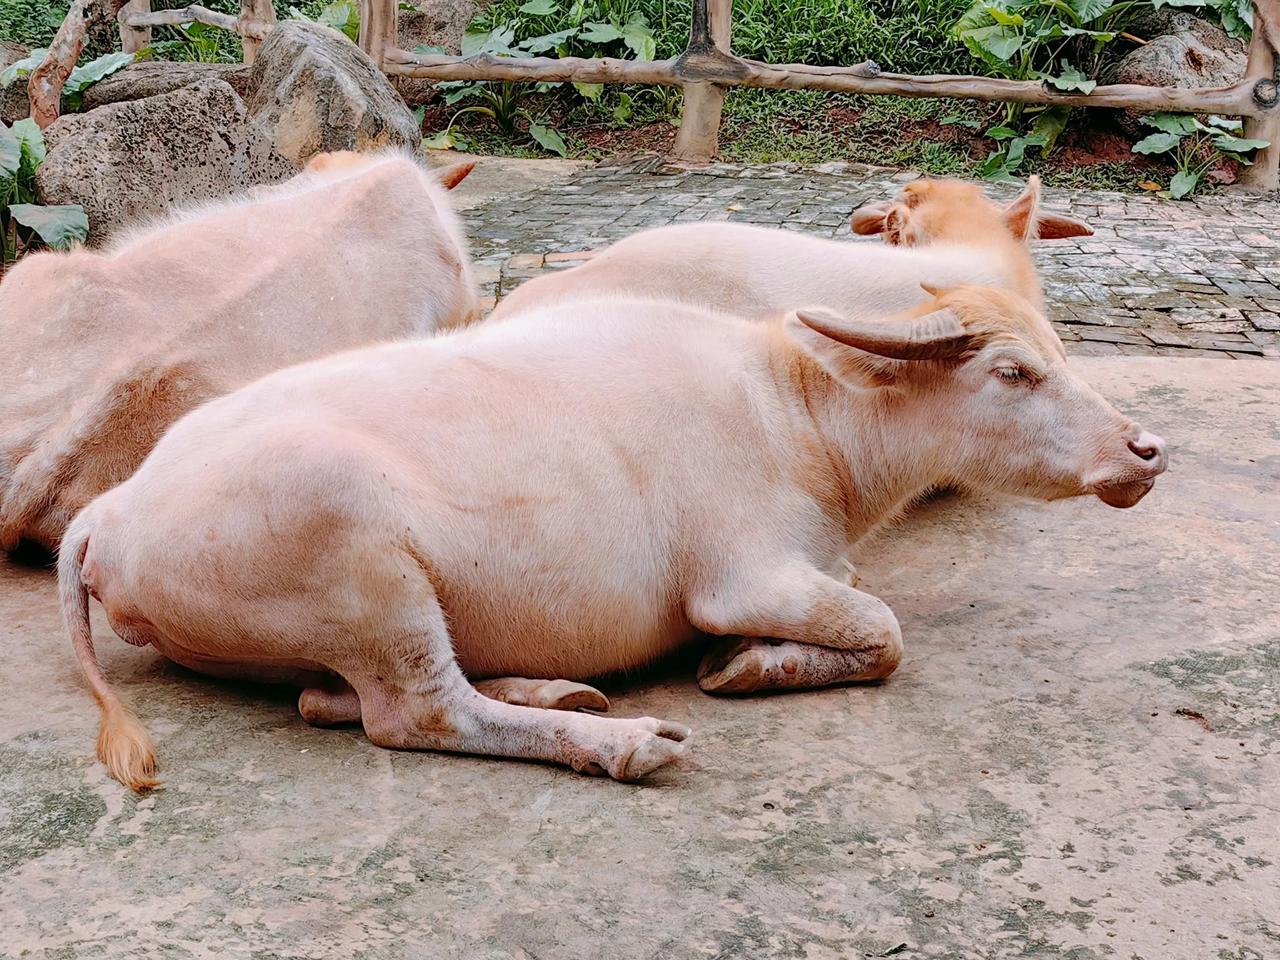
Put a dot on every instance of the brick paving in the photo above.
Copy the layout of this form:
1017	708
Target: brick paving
1159	277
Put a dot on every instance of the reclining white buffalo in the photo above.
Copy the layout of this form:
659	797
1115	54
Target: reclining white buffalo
103	350
557	497
956	235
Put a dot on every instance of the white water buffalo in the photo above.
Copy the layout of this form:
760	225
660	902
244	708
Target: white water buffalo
938	232
104	349
557	497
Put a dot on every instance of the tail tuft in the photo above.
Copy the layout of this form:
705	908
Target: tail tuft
123	745
125	748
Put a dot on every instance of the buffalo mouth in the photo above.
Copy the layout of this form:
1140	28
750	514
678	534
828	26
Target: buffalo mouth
1125	494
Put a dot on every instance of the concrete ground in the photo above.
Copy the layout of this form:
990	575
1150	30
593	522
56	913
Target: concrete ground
1079	758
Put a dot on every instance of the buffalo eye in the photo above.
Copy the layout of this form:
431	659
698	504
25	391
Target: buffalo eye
1010	374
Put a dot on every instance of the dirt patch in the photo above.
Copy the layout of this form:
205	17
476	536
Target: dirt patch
1195	715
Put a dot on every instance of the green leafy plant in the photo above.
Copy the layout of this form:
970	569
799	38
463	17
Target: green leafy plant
81	78
194	43
1195	146
506	103
24	223
341	16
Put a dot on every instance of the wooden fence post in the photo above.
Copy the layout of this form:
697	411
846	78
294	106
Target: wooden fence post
260	12
133	39
1261	69
378	27
699	135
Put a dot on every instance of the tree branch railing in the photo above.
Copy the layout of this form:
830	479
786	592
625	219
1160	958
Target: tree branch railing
705	70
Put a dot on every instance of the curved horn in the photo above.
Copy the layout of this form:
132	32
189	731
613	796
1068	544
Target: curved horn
934	336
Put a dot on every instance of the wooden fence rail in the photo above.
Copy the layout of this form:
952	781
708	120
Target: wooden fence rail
705	71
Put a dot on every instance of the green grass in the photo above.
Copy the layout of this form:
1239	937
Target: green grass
760	126
909	36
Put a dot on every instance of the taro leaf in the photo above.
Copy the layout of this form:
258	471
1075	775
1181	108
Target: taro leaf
1073	79
548	139
20	68
1157	143
1229	124
90	73
1002	133
10	152
639	39
1182	184
996	168
1224	141
343	17
59	225
600	32
1055	31
995	45
1049	126
625	108
419	115
498	40
459	93
427	48
979	15
539	8
589	91
33	148
1089	10
548	42
1015	153
1004	18
1236	16
443	140
1179	124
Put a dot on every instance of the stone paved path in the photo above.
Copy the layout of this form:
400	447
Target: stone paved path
1196	278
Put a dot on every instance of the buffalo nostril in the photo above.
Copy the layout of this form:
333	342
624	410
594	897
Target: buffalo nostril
1144	450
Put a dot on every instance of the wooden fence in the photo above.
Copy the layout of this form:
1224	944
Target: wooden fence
704	71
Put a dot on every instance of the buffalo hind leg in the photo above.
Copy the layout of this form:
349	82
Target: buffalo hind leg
548	694
796	628
417	698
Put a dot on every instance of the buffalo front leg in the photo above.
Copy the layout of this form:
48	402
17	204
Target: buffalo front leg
801	629
417	698
331	705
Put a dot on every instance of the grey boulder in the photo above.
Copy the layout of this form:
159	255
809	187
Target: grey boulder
150	78
137	159
14	104
1188	53
431	23
317	91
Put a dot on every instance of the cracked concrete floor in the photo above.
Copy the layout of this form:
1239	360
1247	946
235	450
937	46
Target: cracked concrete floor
1077	759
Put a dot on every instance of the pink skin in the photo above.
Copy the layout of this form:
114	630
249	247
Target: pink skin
567	494
104	349
940	233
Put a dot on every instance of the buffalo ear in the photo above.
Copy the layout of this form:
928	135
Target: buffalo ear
1020	215
871	218
935	336
455	173
1056	226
